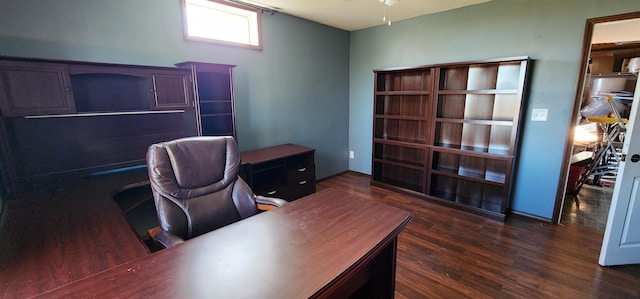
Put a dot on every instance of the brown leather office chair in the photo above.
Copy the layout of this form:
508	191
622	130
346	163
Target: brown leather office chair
196	187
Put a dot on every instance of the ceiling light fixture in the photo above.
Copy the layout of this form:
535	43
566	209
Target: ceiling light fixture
387	3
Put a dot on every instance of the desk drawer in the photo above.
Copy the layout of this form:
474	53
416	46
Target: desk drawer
272	191
301	188
269	182
300	173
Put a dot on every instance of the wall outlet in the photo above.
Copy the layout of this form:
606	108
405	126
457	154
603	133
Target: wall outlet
352	154
539	114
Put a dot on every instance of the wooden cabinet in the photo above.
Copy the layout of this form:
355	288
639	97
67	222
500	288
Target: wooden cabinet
449	132
121	88
69	117
285	171
170	89
29	88
35	88
214	98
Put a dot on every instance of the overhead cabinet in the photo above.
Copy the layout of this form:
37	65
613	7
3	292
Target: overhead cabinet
170	89
65	117
35	88
109	88
449	132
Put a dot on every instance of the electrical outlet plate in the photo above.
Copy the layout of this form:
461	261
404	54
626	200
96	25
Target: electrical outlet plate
539	114
351	154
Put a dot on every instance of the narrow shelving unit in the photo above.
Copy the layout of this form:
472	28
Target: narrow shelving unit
400	134
215	102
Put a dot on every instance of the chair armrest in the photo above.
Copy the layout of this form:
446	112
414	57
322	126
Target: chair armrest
164	238
269	203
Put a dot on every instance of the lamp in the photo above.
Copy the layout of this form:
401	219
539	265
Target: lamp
585	134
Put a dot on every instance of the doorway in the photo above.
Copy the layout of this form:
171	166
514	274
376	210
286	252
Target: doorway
609	44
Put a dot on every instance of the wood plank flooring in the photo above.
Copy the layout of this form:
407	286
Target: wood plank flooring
591	209
445	253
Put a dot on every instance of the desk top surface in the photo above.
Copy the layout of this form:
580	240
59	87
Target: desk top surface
60	236
291	252
266	154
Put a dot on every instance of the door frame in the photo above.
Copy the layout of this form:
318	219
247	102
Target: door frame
579	89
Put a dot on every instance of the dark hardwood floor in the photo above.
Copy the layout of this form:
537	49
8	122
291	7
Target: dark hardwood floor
445	253
79	230
591	209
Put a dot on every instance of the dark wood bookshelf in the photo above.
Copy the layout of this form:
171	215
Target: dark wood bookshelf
449	132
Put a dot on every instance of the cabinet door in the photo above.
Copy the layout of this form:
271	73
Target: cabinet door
170	89
28	88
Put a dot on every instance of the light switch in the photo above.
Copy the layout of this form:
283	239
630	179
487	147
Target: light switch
539	114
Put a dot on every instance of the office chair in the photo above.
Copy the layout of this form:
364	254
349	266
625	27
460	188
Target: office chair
196	187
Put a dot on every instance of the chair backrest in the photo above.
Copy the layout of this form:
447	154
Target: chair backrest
195	185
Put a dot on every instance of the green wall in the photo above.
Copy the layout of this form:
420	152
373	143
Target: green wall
548	31
313	84
295	90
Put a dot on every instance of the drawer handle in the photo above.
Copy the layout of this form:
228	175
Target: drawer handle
272	192
302	182
302	169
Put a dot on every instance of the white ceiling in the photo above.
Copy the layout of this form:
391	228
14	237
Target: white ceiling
358	14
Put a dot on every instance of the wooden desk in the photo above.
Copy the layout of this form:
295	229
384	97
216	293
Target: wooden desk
63	235
285	171
326	244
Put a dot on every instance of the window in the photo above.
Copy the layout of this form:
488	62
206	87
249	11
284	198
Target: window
209	20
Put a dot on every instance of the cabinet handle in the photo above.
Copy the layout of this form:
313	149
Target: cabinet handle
302	182
67	89
302	169
271	192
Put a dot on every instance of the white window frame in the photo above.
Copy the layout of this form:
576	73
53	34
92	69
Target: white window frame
201	22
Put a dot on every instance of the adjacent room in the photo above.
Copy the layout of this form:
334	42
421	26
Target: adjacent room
363	148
